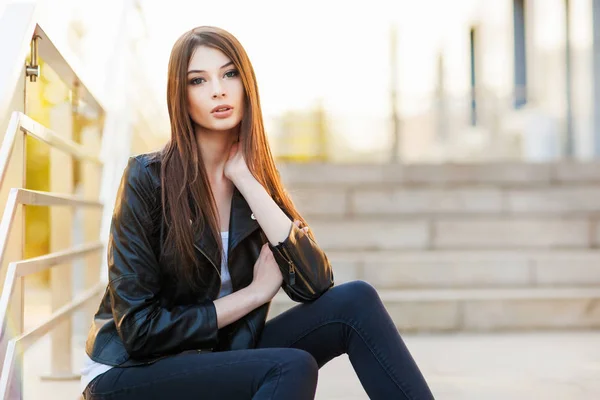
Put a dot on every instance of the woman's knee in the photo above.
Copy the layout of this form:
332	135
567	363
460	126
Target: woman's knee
293	375
301	362
299	365
357	292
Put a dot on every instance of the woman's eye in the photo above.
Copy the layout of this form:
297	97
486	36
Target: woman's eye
196	81
232	74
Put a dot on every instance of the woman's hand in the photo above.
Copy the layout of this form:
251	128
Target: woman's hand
236	166
267	276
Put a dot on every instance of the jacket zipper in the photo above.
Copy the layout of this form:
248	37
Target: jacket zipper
293	271
204	254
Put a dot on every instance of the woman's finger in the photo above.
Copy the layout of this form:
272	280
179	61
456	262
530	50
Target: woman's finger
263	251
265	248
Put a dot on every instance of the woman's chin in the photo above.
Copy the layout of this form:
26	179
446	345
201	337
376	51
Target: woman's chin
221	126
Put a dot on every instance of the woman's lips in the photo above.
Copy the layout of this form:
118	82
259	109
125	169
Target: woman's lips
223	114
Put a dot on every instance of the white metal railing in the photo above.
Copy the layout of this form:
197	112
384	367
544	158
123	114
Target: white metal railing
21	124
18	270
19	29
121	113
20	121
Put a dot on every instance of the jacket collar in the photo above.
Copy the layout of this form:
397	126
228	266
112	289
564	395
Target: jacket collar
241	224
241	220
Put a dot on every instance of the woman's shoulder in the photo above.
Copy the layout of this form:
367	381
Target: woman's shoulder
149	159
150	163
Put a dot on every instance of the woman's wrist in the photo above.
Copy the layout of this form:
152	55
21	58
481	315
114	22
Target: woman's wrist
255	296
242	178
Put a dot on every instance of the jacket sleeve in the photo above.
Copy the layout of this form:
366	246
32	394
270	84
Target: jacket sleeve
145	327
307	273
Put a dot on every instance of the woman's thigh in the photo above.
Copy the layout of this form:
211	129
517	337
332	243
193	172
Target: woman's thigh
322	327
350	318
222	375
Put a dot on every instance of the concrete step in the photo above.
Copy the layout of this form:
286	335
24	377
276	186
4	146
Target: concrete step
456	233
390	200
509	174
468	269
485	309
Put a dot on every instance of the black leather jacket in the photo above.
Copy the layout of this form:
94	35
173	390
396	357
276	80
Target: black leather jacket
140	321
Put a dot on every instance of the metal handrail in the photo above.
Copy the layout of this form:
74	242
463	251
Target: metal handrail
39	198
34	265
64	67
20	121
40	132
18	49
27	339
34	198
15	50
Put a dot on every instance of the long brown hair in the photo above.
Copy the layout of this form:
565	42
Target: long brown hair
186	192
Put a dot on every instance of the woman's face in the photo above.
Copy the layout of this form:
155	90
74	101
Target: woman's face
215	90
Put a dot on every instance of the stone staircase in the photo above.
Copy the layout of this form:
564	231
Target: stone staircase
461	247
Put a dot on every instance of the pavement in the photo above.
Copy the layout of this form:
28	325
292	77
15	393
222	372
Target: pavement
516	366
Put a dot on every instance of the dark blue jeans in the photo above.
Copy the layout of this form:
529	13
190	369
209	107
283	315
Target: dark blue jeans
349	318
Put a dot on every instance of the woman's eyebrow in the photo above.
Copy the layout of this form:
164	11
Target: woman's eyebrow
199	70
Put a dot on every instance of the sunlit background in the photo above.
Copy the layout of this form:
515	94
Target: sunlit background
325	72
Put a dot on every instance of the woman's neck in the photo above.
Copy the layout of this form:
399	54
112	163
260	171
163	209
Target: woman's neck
214	147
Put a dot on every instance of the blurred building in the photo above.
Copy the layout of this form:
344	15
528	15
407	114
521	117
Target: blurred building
514	79
475	81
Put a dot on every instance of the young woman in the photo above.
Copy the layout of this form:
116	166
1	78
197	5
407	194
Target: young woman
203	236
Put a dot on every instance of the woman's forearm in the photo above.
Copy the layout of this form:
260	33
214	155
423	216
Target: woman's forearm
232	307
273	221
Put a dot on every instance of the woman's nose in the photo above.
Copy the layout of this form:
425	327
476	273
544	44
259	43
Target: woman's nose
218	91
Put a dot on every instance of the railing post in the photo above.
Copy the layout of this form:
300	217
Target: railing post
91	174
61	227
15	177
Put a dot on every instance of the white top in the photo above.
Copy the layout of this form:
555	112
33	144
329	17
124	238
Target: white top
91	369
226	287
